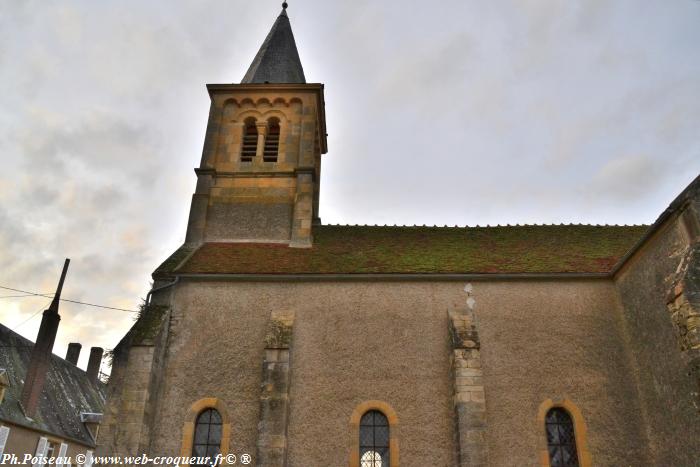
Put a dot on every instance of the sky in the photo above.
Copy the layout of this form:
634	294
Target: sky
457	112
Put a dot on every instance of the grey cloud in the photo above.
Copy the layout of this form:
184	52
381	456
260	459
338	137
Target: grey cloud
627	177
98	142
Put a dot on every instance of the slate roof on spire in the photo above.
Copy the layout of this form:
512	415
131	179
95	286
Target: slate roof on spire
277	61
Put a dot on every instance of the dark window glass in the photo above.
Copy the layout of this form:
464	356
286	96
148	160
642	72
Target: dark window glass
250	141
561	440
374	440
51	451
207	435
272	141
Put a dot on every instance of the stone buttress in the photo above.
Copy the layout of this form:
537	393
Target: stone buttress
469	398
274	392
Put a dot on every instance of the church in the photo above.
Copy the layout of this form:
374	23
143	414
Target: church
271	335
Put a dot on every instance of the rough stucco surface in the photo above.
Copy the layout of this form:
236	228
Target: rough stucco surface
559	341
269	221
390	341
665	386
215	350
359	342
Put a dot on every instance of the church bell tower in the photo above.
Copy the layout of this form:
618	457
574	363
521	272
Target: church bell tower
258	180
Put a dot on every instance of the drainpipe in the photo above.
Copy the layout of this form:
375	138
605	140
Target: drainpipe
157	289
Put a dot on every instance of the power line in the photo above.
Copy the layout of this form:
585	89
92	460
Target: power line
98	306
28	293
33	315
67	300
22	296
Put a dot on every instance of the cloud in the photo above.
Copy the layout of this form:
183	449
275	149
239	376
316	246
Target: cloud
93	148
627	177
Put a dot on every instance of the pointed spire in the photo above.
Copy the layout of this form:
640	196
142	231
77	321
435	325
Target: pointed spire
277	61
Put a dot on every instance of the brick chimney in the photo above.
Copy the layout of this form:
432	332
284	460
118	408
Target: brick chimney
93	368
73	353
40	359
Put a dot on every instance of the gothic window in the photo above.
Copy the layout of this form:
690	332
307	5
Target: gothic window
272	140
207	434
561	440
250	140
374	440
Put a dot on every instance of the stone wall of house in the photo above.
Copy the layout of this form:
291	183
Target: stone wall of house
391	341
659	291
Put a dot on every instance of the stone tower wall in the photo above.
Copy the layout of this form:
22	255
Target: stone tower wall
259	201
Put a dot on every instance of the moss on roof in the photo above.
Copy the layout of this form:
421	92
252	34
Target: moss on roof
173	261
149	324
425	250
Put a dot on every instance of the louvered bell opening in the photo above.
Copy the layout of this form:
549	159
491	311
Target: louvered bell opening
272	141
250	142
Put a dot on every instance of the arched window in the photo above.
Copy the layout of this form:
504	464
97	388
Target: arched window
207	428
374	440
207	434
272	140
250	140
561	439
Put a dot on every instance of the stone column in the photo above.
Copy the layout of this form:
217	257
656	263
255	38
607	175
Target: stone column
469	398
262	133
274	394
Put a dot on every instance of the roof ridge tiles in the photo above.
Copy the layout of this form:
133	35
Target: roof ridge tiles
479	226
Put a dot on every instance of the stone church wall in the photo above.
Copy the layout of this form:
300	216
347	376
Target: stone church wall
654	284
354	342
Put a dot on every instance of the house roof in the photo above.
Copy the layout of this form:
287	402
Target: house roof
419	250
67	392
277	61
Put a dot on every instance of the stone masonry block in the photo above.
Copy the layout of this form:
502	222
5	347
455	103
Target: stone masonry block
462	372
477	395
473	414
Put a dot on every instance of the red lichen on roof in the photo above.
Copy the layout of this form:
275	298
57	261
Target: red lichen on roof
422	250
